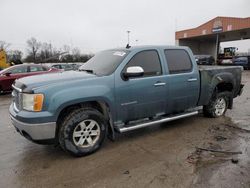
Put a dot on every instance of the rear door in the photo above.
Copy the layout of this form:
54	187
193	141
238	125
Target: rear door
182	79
144	96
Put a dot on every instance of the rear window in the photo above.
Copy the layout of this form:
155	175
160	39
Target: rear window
178	61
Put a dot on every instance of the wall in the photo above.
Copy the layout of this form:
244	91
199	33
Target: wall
200	47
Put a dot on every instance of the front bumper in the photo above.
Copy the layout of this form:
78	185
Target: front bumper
35	132
36	127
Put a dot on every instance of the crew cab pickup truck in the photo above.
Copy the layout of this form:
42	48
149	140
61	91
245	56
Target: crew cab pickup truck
119	90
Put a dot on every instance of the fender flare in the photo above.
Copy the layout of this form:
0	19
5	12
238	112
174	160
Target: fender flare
219	79
104	103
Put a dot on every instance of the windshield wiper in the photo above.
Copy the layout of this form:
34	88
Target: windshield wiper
88	71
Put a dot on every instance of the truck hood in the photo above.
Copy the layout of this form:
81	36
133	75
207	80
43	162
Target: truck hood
31	82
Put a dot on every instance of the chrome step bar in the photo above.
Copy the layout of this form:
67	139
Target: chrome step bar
167	119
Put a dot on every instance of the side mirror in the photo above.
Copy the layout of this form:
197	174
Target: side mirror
135	71
7	74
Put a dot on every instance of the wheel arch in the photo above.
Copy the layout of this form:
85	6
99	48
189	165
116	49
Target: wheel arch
223	82
226	86
101	105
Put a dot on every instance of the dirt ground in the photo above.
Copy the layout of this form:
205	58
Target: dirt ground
165	155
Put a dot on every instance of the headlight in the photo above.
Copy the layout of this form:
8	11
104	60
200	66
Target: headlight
32	102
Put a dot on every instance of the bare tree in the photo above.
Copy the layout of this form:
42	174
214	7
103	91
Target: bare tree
76	53
66	48
46	51
33	47
14	55
4	45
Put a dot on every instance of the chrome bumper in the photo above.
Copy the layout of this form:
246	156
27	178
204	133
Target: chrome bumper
43	131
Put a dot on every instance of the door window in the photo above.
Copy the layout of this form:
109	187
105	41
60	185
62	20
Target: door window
178	61
66	67
149	61
18	70
36	69
56	66
45	68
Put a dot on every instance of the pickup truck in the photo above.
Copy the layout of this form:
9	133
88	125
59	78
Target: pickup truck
119	90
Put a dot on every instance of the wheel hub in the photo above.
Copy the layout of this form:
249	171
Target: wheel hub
220	106
86	133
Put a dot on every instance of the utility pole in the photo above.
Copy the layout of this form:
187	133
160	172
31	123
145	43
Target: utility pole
217	47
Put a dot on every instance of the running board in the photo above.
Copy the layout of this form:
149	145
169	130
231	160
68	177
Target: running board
167	119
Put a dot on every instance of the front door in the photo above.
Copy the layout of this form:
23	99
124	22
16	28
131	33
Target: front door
141	97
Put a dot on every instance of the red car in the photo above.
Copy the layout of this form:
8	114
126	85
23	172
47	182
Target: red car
9	75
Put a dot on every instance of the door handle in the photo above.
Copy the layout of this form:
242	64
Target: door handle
192	80
160	84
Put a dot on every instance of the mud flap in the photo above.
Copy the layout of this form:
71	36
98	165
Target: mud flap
241	89
111	130
230	102
111	133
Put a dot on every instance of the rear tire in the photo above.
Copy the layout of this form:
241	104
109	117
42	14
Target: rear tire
217	105
82	131
1	90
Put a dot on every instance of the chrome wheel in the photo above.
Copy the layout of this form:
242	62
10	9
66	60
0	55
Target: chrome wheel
86	133
220	106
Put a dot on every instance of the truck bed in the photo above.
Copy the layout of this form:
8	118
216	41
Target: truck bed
210	76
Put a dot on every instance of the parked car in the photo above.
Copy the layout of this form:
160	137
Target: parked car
9	75
243	61
64	66
120	90
77	65
204	59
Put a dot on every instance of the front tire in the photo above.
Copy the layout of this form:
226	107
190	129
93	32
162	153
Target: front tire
217	105
82	131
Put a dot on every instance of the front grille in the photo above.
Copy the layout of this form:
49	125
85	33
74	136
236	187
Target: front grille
17	99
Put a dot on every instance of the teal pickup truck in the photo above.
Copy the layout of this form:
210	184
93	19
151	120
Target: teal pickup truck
119	90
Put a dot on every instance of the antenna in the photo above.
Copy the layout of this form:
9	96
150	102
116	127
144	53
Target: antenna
128	46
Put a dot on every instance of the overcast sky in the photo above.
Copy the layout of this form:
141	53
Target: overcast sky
95	25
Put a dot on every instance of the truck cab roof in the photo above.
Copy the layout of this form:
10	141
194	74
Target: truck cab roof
146	47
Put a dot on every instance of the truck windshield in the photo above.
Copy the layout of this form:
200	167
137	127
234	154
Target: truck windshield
104	63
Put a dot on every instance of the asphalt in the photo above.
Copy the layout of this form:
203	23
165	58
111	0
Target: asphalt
165	155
